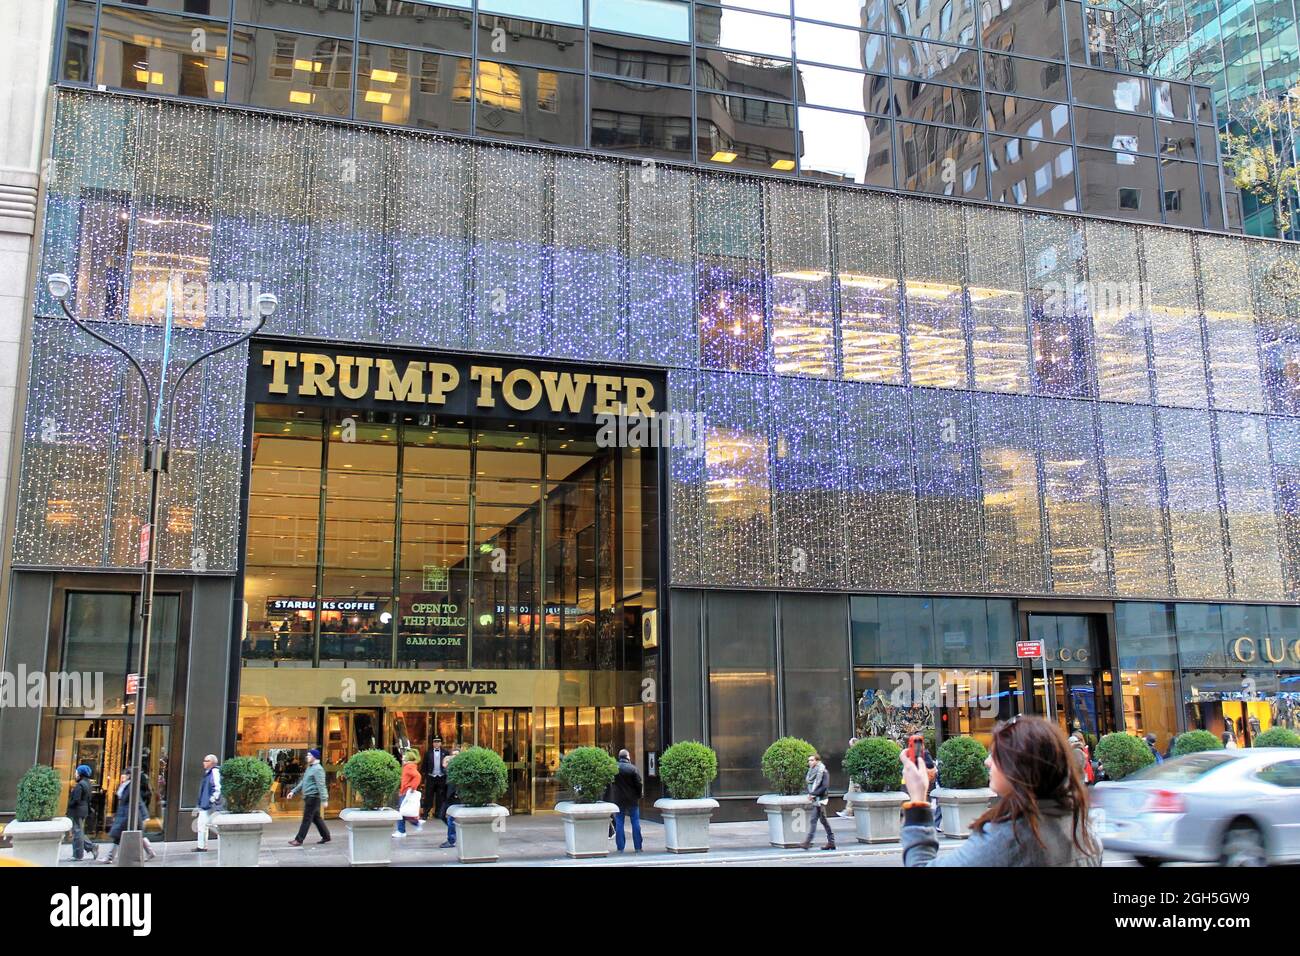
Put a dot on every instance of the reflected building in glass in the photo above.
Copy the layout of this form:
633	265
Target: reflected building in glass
642	372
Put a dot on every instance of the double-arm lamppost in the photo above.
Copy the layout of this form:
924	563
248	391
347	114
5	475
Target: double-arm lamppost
157	452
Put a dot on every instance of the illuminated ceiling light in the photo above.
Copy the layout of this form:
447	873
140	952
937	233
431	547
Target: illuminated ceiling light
307	66
784	165
219	86
383	76
377	96
723	156
301	96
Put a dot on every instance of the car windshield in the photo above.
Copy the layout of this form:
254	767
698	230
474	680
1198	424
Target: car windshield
1185	769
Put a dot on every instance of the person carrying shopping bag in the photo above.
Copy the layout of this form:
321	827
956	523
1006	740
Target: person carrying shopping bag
408	794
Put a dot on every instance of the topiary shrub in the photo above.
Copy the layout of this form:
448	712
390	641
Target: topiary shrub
587	771
1194	741
874	766
38	795
1277	737
1123	754
961	764
374	775
244	782
479	776
687	768
785	765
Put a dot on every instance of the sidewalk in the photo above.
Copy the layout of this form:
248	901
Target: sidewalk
536	840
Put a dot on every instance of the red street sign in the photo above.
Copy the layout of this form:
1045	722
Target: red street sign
132	684
146	532
1029	648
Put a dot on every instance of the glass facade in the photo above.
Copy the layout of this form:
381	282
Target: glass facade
953	99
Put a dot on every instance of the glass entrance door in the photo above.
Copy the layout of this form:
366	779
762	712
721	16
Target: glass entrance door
104	745
1079	681
346	732
509	731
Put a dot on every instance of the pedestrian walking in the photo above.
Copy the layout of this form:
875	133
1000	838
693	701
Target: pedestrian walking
1040	818
315	797
209	799
1151	745
625	792
818	781
78	810
125	794
853	788
452	797
435	781
408	794
1082	759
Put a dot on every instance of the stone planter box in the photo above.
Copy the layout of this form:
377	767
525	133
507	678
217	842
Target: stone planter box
38	841
586	828
788	818
686	823
478	834
877	816
370	835
240	837
960	808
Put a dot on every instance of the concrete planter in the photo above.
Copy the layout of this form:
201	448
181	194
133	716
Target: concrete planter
38	841
370	835
788	818
240	837
877	816
960	808
686	823
478	835
586	828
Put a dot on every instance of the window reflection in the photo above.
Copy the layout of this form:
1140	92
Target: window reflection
936	159
1013	74
512	38
641	118
315	16
640	59
738	30
156	53
669	19
1020	116
411	88
1031	27
78	27
1027	172
1181	193
1119	184
848	48
950	21
416	24
934	61
933	103
1117	131
1110	90
861	92
285	71
852	13
744	73
543	106
741	132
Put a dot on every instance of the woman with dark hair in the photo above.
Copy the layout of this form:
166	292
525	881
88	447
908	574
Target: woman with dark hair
1040	818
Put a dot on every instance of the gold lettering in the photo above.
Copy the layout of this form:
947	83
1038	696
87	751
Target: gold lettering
566	391
281	361
607	388
444	379
1295	652
346	364
1239	654
486	377
1268	651
317	370
640	393
534	390
407	388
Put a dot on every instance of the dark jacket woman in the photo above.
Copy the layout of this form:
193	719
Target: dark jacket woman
79	800
120	813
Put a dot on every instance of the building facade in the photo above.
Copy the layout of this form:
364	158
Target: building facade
861	441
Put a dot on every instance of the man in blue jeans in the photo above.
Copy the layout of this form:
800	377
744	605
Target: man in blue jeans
626	792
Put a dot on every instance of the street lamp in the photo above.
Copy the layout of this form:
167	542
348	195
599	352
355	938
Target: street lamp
157	452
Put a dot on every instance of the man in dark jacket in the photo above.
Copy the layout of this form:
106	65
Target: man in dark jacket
818	780
626	792
435	781
78	810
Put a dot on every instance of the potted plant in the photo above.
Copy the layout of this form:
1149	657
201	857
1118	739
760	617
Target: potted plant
686	769
1277	737
245	781
374	775
964	794
873	764
785	765
1194	741
1123	754
35	831
479	776
587	771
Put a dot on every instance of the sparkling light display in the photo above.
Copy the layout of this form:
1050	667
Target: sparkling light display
828	336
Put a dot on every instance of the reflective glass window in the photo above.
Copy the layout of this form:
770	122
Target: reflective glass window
848	48
320	16
1172	100
287	71
1074	31
78	27
640	118
740	132
1113	91
1013	74
845	147
851	13
512	38
1032	27
1208	142
741	30
1177	140
921	160
1181	191
411	88
1027	172
655	61
207	8
740	636
666	19
1018	116
745	74
1122	132
1121	185
932	103
948	21
862	92
543	106
1203	100
561	11
934	61
414	24
157	53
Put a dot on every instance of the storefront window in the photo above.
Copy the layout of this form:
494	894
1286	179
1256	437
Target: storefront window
102	642
741	649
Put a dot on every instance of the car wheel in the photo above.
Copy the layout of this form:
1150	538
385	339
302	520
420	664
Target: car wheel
1149	861
1243	845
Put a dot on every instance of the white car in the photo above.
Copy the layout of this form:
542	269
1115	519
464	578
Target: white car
1233	807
